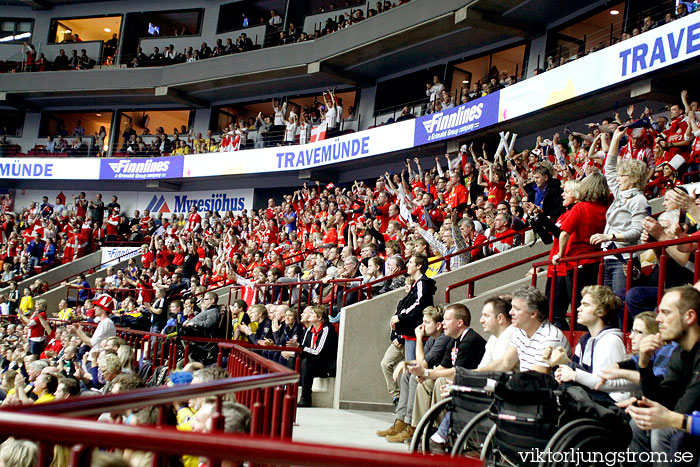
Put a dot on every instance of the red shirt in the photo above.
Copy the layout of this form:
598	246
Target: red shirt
36	330
580	222
497	192
457	196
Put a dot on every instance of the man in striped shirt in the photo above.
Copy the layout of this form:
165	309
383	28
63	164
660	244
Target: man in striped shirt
532	336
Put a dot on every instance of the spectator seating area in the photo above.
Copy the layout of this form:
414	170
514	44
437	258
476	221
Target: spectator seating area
610	337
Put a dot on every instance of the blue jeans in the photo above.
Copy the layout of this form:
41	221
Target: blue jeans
614	274
410	349
638	300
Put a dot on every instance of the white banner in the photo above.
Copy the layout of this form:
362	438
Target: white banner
663	46
113	255
352	146
33	168
156	202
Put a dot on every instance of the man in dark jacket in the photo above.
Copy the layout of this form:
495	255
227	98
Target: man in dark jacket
679	390
409	310
545	193
467	349
319	351
545	203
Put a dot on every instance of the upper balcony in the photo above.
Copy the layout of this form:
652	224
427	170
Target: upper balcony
400	39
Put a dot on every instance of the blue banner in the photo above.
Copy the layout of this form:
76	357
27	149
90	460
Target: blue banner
458	121
141	169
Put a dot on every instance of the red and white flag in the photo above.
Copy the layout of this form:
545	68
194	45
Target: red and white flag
318	133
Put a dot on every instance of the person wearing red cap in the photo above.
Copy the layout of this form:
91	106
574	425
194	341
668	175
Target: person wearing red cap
104	307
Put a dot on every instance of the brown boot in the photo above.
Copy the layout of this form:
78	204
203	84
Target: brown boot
395	429
403	436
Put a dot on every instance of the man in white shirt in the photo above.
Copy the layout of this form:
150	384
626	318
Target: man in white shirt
532	335
495	319
275	19
104	306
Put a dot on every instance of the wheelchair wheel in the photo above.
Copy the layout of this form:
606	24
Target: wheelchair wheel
473	436
555	442
581	436
427	426
487	454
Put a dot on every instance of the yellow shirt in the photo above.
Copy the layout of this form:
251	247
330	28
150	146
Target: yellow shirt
253	326
26	305
66	315
184	423
45	398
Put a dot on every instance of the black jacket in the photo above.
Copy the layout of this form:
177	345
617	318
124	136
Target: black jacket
410	308
324	348
680	388
470	351
552	205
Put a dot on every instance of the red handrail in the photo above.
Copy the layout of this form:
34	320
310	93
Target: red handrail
469	249
216	446
663	258
472	280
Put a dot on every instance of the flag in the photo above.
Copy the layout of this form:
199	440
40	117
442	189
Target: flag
248	295
318	133
330	186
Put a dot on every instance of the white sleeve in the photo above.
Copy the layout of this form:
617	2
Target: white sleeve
609	350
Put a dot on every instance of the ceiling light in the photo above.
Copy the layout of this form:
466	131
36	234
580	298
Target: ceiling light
614	12
108	30
464	81
99	115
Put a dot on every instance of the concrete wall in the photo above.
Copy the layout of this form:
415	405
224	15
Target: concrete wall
57	294
364	329
61	272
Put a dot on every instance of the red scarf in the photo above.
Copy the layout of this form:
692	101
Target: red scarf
314	335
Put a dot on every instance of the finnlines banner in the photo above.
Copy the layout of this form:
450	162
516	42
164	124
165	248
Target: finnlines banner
457	121
141	169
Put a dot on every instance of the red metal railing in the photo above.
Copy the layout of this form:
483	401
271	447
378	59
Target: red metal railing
216	446
470	281
287	289
663	258
368	286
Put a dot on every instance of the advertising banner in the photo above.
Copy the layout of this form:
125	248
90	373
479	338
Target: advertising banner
156	202
457	121
666	45
141	169
113	255
352	146
38	168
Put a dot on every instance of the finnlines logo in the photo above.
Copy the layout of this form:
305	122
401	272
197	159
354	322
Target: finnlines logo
442	122
217	202
127	166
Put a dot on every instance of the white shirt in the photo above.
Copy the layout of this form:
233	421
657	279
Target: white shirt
279	114
530	349
105	329
496	347
290	132
331	117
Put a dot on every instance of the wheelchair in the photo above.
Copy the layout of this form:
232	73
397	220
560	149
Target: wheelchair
469	402
528	421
